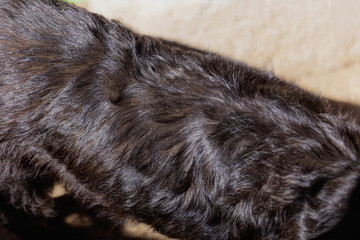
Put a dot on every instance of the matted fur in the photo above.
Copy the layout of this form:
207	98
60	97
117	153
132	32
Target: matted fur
194	144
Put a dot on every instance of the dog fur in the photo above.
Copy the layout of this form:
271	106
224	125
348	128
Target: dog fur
194	144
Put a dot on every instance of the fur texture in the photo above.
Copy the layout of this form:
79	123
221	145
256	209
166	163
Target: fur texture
196	145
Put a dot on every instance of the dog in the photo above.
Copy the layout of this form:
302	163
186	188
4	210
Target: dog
196	145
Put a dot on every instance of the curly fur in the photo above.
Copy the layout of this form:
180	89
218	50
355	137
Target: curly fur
194	144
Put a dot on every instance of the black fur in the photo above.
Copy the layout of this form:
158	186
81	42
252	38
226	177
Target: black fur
194	144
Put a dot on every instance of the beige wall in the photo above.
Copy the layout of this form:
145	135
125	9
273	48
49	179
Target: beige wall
313	42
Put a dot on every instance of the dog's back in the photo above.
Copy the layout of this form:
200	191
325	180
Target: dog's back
197	145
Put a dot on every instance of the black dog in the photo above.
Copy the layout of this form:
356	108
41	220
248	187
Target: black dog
194	144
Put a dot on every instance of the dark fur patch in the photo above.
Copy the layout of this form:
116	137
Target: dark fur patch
197	145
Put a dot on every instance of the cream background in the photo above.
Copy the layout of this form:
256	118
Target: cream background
315	43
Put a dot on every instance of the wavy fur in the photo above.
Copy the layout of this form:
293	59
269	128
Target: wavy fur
192	143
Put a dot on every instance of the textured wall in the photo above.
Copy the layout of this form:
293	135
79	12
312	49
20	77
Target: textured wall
315	43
